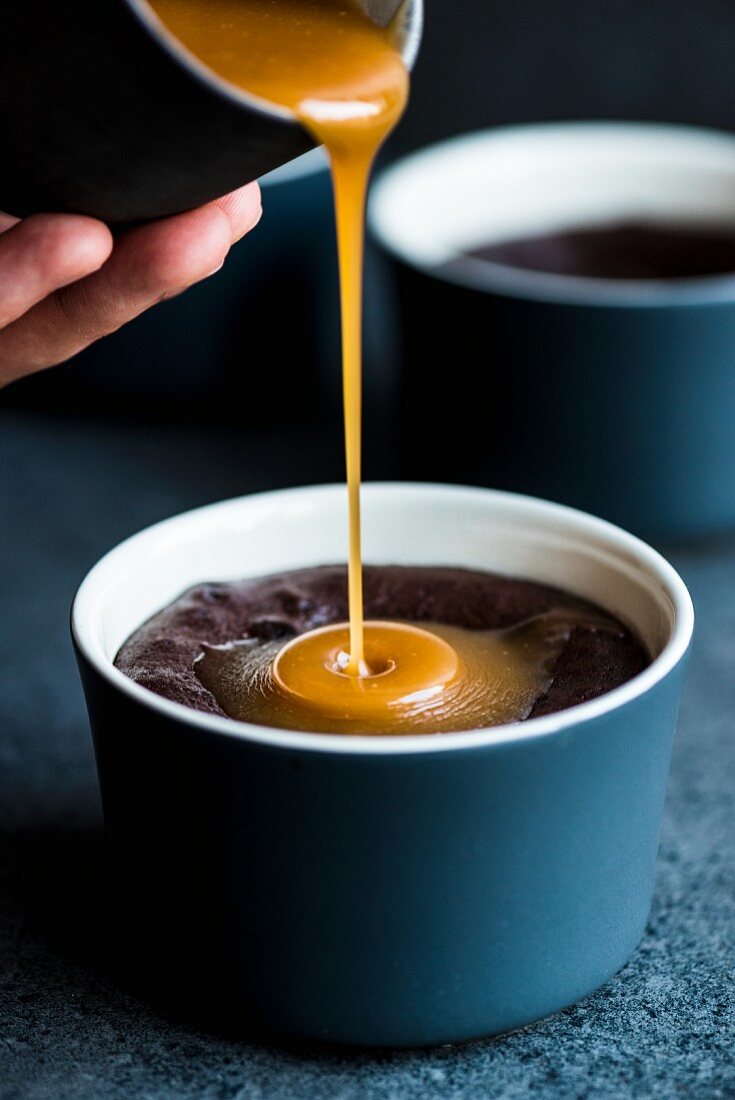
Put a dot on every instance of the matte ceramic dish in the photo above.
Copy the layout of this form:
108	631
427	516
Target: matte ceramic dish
381	891
611	395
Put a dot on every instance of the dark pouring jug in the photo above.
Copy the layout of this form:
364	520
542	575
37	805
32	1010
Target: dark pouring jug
103	112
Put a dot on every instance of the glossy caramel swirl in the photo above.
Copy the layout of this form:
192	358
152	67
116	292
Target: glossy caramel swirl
429	679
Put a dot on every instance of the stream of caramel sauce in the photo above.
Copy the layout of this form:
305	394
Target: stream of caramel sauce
344	78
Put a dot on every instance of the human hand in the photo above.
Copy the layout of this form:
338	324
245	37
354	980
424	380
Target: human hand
65	281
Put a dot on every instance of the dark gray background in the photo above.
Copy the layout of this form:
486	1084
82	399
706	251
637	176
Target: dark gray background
487	62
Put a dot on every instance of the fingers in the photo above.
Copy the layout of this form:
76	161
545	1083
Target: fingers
43	253
148	263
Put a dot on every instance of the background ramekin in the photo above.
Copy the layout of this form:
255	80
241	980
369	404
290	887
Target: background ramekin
381	891
615	396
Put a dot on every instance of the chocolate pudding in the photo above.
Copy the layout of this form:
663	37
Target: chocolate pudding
625	250
211	647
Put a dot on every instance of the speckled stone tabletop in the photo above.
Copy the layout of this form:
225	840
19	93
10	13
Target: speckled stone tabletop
663	1027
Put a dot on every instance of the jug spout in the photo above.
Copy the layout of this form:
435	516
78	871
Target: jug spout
103	113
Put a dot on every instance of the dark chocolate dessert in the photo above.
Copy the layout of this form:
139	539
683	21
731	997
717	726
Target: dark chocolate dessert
625	250
596	653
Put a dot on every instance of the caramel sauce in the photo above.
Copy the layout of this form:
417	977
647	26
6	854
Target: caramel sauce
429	679
344	78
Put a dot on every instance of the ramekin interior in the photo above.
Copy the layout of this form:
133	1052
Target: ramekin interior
429	208
403	523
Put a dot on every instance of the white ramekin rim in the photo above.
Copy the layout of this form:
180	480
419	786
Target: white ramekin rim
671	655
480	275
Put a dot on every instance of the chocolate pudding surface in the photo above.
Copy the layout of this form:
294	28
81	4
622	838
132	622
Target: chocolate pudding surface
625	250
161	654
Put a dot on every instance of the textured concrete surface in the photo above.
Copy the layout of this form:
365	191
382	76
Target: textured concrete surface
664	1027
